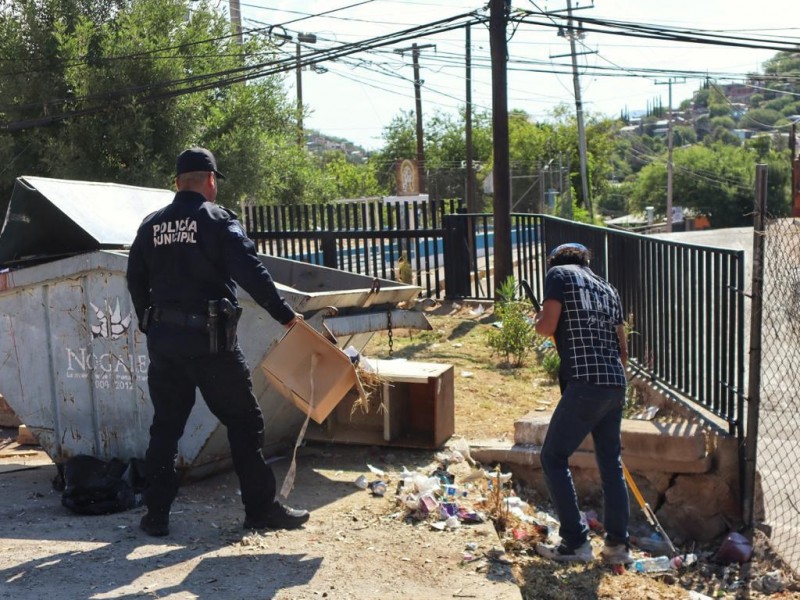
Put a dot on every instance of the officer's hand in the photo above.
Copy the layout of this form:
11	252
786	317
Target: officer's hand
297	317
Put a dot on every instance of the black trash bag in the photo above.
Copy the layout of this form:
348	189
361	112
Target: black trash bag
95	487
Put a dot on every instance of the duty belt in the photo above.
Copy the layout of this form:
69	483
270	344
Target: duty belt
174	316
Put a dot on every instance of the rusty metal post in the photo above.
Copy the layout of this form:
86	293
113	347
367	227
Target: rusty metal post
754	375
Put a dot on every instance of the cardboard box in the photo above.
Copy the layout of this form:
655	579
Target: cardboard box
413	408
310	371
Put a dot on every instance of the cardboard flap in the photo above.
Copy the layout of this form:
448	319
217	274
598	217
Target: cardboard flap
310	371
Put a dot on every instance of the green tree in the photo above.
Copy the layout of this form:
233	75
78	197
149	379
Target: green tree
445	149
108	78
683	135
761	119
347	180
717	181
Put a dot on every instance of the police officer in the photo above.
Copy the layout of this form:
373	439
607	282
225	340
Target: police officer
182	270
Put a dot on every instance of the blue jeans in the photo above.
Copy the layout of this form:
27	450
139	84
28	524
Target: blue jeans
585	409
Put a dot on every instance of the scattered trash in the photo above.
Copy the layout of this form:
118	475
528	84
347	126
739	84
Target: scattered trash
654	544
449	457
698	596
496	476
462	446
648	414
378	488
769	583
457	345
448	509
467	374
653	564
478	310
361	482
735	548
353	354
683	560
471	546
427	503
91	486
376	471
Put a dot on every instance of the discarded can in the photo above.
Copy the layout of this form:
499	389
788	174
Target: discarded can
378	488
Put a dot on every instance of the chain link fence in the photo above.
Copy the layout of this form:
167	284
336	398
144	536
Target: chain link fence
778	457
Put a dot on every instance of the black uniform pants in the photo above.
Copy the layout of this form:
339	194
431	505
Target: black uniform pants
225	384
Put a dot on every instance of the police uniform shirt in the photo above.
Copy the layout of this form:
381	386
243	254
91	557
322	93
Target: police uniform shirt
586	335
192	251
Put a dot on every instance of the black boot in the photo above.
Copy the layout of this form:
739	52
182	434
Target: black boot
277	517
155	524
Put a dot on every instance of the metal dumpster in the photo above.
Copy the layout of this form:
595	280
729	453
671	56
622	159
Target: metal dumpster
73	364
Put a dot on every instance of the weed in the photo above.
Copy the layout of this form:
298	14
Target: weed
551	363
516	335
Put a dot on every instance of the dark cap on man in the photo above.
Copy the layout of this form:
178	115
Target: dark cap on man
568	246
196	159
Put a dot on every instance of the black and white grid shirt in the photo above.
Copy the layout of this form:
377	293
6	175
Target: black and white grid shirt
586	336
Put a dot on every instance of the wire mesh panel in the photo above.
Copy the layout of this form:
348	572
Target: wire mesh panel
779	415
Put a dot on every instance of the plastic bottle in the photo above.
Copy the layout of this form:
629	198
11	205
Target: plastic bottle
653	564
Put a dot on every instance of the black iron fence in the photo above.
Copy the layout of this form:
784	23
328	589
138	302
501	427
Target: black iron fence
685	302
397	240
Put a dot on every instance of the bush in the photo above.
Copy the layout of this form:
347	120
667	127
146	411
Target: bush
516	335
551	363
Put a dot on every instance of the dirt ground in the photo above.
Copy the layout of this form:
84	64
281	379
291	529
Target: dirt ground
356	545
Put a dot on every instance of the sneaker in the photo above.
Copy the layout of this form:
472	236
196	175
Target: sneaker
563	553
155	524
279	517
616	554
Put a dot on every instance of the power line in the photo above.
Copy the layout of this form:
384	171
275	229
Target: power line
228	77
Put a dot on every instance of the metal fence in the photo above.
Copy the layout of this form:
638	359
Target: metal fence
778	414
397	240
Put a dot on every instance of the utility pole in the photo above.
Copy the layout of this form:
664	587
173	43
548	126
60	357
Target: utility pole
669	83
302	38
415	49
576	83
503	266
472	205
236	19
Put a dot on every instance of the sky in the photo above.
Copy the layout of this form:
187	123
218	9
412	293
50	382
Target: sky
357	96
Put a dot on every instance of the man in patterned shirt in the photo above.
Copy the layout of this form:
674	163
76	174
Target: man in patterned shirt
583	313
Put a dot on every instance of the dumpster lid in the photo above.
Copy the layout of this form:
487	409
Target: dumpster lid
53	217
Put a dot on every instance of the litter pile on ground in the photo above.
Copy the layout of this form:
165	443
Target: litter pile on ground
454	491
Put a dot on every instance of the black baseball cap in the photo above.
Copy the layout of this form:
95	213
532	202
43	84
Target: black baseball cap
196	159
